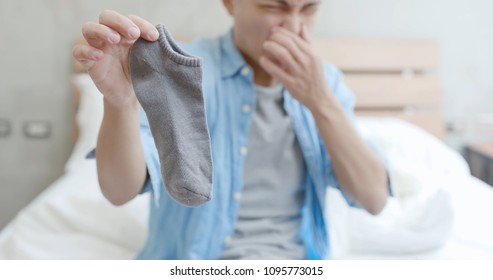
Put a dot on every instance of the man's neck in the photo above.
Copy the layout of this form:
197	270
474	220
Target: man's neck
261	77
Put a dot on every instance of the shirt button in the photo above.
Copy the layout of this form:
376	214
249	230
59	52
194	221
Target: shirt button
227	240
246	108
237	196
244	151
245	71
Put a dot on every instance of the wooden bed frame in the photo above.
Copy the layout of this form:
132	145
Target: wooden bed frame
390	78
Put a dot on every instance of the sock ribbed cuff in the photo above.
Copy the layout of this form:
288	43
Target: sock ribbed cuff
173	51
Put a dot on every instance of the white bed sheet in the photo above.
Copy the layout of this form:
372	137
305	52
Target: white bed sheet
72	220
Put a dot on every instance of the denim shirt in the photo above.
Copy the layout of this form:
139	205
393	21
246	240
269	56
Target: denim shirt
179	232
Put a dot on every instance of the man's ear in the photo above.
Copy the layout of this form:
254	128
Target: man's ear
228	4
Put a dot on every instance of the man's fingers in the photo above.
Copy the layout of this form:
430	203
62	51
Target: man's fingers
87	55
119	23
275	71
96	34
113	26
302	44
290	45
147	30
280	54
97	43
305	34
85	52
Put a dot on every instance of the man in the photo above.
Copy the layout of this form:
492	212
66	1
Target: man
281	132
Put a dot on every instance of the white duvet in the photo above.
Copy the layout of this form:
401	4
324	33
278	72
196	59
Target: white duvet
437	204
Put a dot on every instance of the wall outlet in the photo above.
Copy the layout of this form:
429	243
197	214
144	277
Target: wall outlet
456	126
5	128
37	129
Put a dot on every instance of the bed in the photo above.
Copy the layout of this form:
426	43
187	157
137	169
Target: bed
439	210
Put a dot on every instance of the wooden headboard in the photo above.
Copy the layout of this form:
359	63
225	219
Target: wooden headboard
390	78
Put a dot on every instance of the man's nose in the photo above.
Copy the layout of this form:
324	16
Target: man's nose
292	23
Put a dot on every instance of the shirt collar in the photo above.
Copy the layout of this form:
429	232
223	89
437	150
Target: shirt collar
231	59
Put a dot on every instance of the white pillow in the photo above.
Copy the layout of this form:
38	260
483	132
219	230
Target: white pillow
88	118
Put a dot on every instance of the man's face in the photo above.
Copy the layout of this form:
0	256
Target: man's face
254	20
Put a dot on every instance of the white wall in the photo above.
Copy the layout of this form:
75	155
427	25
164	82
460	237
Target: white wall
464	30
36	37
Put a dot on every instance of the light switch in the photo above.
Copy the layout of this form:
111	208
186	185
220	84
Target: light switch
5	128
37	129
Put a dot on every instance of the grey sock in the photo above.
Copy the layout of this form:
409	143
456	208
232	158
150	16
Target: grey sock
168	85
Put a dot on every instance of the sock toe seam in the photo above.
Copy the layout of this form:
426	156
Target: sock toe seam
196	193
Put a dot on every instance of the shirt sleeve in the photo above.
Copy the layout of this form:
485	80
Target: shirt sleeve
154	181
91	154
347	100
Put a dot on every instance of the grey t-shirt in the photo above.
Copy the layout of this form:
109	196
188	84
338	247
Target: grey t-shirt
269	218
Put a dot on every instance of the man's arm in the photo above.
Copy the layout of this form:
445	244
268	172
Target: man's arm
360	172
120	157
358	169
